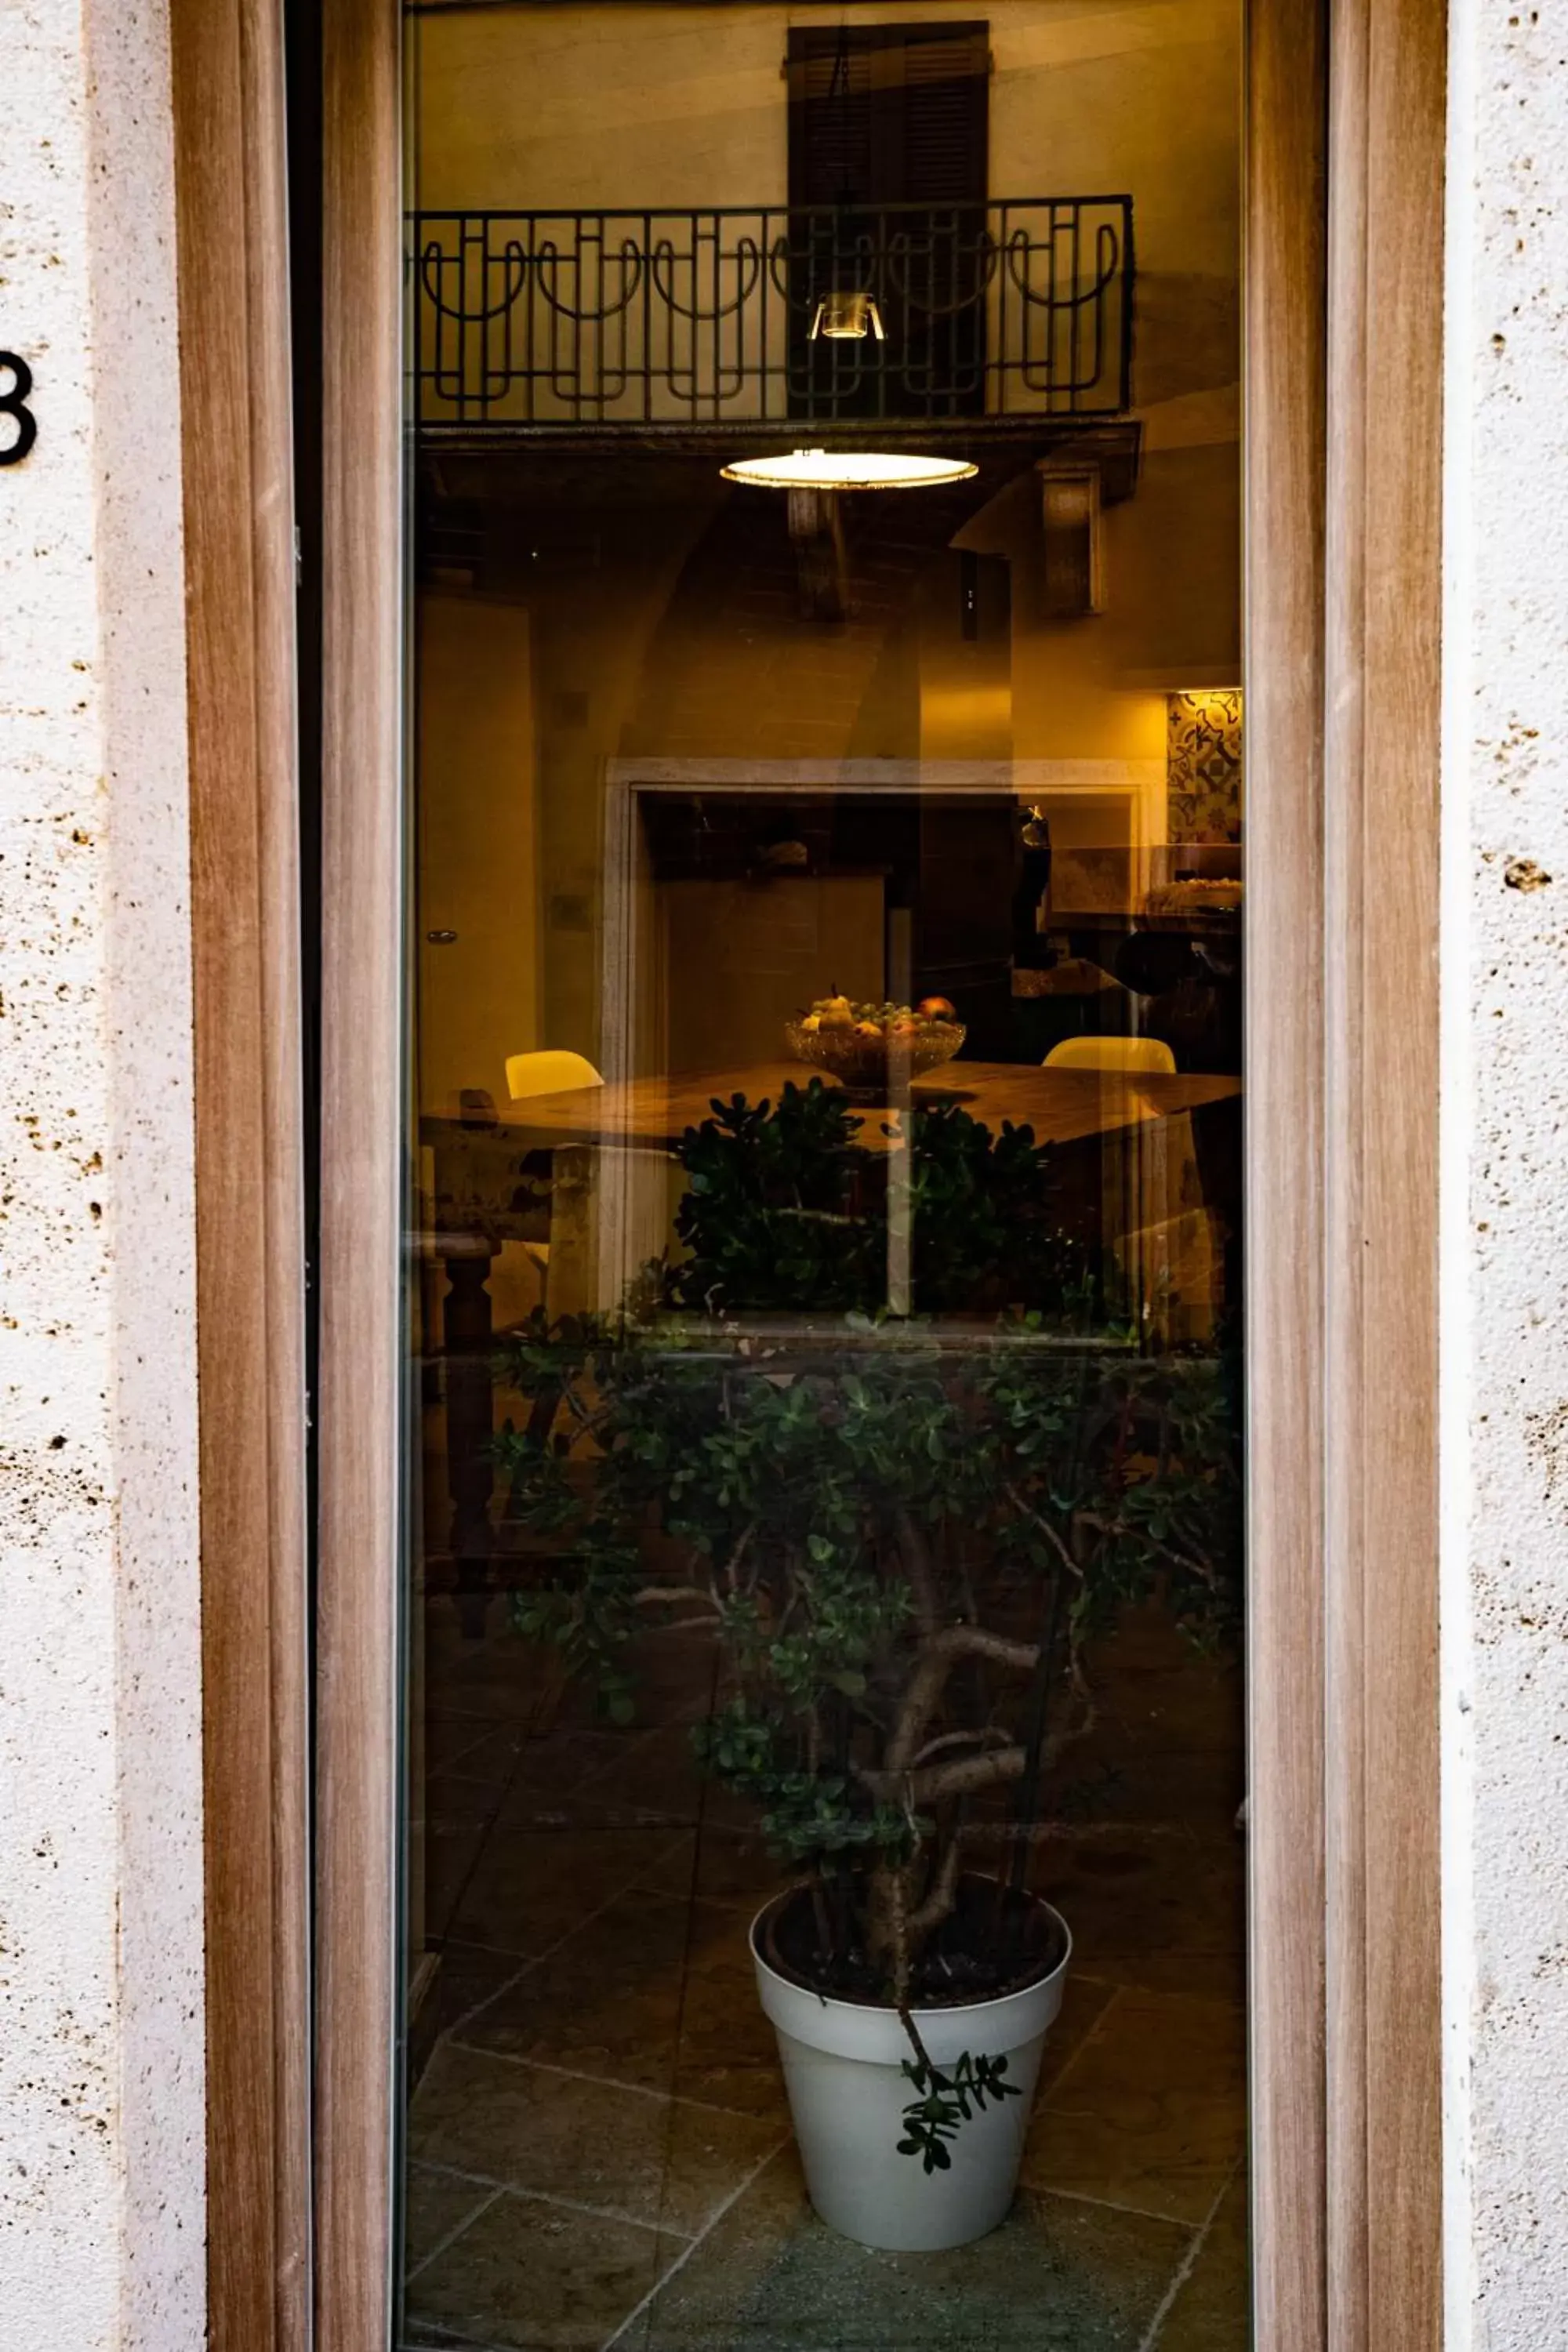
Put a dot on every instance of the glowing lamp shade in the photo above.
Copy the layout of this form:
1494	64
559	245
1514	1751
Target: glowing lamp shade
849	470
846	318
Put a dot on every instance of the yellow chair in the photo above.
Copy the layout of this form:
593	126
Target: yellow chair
1111	1054
1153	1193
548	1073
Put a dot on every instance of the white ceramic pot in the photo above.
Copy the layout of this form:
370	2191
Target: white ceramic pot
843	2063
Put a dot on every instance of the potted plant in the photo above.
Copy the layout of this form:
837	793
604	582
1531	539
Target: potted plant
902	1534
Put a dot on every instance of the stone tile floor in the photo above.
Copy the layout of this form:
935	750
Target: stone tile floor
598	2146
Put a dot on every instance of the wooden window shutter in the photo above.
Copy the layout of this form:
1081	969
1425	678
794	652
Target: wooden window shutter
943	109
830	158
885	114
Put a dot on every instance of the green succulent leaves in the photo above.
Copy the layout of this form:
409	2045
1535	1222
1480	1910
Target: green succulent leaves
947	2099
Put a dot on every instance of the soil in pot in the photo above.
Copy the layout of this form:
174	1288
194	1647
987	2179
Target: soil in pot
998	1940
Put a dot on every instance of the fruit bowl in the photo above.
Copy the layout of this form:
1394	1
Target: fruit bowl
871	1066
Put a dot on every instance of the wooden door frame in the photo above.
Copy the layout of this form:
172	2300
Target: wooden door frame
1343	356
229	151
1284	507
363	1175
1382	651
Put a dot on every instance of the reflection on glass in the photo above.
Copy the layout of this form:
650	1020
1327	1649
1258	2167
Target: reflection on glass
824	1917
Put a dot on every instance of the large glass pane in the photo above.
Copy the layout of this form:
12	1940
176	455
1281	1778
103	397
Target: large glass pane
824	1830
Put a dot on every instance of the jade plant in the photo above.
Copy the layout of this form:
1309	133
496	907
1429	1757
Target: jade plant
902	1534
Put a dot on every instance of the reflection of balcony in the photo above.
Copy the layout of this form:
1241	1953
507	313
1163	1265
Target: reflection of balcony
1012	314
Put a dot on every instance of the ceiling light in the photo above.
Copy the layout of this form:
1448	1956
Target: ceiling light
849	470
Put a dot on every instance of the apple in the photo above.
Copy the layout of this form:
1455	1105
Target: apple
936	1008
871	1029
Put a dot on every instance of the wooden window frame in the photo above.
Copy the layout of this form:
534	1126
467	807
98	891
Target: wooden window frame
1343	378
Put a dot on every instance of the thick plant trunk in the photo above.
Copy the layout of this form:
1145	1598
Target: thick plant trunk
887	1941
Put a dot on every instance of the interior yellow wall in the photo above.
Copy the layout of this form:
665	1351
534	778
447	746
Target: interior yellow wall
1096	688
742	955
965	683
569	106
477	847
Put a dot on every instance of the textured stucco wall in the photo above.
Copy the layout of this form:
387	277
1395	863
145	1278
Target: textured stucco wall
1506	1161
100	1988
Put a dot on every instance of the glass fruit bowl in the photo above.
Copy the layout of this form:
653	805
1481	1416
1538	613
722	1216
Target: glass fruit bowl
868	1065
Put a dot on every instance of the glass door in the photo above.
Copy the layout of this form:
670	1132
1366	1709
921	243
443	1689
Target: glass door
823	1792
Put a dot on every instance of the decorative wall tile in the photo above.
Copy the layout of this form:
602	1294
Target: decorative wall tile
1203	765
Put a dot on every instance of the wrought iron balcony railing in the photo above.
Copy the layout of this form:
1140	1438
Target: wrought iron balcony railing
1013	310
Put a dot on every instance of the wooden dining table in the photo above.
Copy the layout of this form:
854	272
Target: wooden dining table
1060	1105
614	1181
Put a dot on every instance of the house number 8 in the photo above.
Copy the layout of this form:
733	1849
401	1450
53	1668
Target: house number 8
14	404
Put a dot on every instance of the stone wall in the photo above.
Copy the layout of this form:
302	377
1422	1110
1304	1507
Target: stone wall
1505	1244
101	2124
